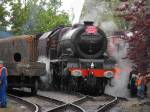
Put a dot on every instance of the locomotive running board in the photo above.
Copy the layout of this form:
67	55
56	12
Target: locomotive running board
91	60
77	60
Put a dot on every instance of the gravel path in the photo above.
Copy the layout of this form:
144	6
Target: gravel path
133	105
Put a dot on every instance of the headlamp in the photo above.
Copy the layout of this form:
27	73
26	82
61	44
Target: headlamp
76	73
108	74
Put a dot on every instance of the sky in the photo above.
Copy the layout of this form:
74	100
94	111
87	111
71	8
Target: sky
73	7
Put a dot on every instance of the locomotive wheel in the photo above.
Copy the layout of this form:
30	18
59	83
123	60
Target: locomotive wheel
102	87
102	90
56	79
35	87
53	78
72	85
64	80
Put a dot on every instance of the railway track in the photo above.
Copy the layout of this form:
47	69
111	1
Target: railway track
74	102
82	103
68	108
32	107
96	104
45	103
62	96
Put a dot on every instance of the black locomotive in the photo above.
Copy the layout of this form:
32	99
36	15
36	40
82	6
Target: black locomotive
78	58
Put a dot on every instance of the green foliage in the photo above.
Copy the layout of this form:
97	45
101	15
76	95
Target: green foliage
18	18
3	14
50	20
34	16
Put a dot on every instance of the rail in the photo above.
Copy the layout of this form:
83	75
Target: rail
33	107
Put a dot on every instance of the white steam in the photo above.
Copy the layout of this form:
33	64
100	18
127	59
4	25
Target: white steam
109	27
100	13
119	51
93	10
46	79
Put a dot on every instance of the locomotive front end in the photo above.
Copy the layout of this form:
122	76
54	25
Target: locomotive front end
91	74
91	41
84	41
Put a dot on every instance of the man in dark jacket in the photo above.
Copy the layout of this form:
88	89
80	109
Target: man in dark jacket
132	82
3	86
133	87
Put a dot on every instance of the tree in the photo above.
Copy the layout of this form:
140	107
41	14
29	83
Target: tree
137	14
34	16
3	14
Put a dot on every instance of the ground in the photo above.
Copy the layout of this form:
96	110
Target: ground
133	105
14	107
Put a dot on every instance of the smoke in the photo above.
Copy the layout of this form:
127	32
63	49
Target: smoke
73	8
120	82
31	21
46	79
92	11
101	13
109	27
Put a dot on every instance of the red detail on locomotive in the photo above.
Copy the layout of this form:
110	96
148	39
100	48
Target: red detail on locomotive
91	29
95	72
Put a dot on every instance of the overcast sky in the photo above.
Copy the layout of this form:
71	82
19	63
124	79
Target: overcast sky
73	7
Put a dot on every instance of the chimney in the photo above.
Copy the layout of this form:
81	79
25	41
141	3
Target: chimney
88	23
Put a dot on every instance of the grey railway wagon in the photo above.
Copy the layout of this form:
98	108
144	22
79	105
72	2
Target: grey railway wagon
20	56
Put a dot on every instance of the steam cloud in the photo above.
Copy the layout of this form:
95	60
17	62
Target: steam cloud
98	12
120	83
109	27
46	79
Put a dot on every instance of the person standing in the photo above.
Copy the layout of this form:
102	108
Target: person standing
133	87
140	86
132	82
3	85
146	80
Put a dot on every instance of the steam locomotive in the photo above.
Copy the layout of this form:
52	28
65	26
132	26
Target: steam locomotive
78	58
77	54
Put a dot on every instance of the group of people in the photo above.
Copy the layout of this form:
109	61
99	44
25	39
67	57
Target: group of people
138	84
3	85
